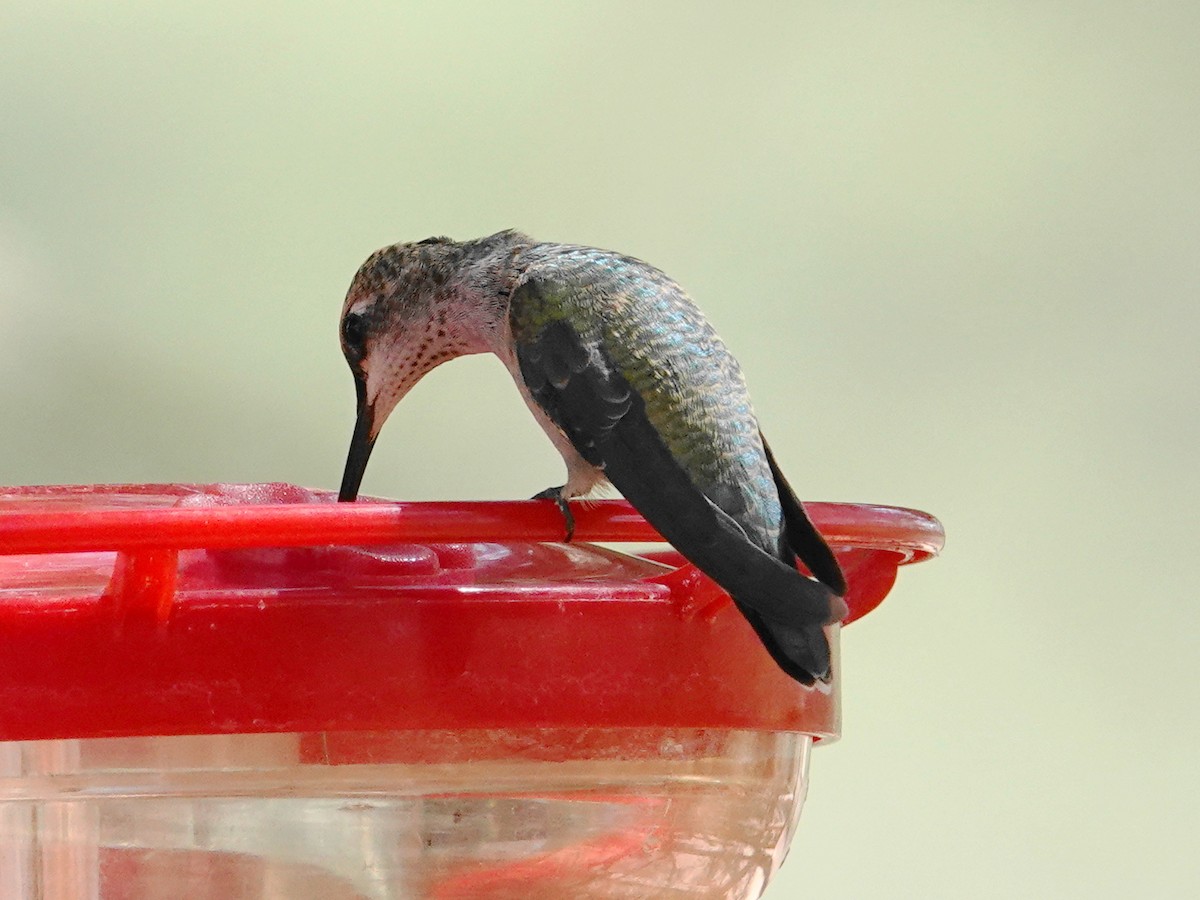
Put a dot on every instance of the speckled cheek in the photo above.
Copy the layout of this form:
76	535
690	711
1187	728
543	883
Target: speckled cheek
389	377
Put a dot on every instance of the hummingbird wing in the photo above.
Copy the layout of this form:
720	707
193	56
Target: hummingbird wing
578	386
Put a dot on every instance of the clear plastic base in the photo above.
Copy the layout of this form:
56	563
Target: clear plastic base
629	813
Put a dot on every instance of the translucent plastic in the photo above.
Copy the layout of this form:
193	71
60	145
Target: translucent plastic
506	813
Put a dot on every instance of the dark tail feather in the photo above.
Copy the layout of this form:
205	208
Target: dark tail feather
803	653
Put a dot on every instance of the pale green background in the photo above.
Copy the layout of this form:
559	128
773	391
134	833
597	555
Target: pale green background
954	245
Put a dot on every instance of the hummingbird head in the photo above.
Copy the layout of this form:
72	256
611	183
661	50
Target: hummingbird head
410	308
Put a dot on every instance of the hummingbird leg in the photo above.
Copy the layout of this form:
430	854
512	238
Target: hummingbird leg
556	494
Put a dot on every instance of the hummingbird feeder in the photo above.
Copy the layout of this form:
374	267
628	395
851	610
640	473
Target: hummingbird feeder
252	691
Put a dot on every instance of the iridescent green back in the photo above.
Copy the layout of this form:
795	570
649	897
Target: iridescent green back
694	392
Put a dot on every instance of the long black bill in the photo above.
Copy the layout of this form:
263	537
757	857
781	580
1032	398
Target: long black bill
361	444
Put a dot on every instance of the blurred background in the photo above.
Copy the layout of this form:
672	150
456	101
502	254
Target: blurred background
954	246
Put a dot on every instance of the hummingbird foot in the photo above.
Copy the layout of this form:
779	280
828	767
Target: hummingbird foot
556	494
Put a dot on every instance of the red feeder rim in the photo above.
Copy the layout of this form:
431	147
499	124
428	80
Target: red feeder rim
185	609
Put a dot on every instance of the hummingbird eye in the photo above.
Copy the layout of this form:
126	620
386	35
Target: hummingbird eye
354	332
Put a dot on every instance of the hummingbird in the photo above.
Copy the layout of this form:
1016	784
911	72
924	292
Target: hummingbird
633	387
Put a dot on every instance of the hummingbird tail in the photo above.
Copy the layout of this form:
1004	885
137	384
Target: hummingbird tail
802	652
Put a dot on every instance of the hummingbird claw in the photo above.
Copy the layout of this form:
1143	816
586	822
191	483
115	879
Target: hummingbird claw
556	494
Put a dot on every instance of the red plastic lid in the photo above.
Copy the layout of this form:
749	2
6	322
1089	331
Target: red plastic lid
197	609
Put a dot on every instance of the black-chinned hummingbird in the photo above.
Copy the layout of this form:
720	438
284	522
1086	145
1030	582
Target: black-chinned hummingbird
633	387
